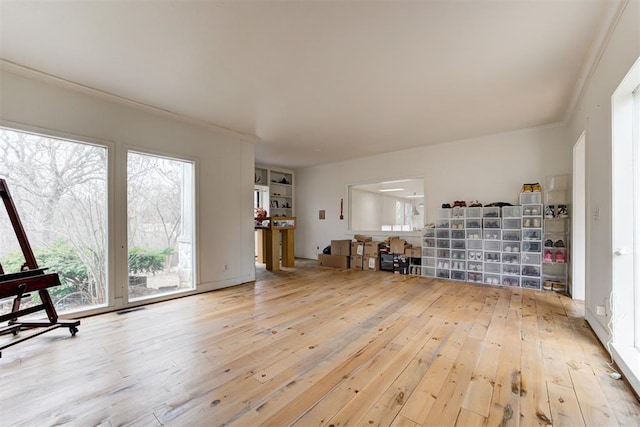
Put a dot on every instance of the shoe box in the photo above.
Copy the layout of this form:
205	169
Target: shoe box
371	263
357	249
356	262
335	261
341	247
371	249
398	246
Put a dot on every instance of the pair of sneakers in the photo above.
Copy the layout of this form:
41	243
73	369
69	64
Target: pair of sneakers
560	257
527	188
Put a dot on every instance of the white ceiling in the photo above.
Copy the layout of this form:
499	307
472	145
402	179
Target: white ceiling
320	81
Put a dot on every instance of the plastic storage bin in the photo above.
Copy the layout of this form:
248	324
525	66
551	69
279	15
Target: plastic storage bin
458	265
443	253
474	234
531	270
492	257
491	267
475	265
531	222
492	245
443	234
443	243
443	213
475	256
429	242
457	212
491	212
491	279
428	272
458	234
534	197
492	234
457	224
474	244
532	247
511	211
530	283
530	234
428	262
459	275
428	252
531	258
510	258
510	246
511	269
511	235
512	281
473	223
443	223
491	223
511	223
473	212
474	277
458	244
459	255
429	232
531	210
442	274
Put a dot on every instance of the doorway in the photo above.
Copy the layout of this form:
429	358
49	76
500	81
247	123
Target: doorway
579	226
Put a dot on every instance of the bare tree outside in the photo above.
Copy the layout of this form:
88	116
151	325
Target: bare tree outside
156	191
59	188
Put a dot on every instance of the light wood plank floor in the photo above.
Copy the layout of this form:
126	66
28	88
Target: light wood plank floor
319	346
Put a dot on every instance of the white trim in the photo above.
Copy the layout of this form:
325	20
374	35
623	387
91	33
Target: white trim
20	70
612	15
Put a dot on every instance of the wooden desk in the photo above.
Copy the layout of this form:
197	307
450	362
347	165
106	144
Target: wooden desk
271	231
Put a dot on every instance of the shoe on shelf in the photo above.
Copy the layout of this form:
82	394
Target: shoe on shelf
562	211
559	243
549	212
560	257
527	188
548	243
547	285
446	206
559	287
548	256
536	187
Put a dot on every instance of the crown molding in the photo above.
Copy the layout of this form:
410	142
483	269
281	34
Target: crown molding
612	14
31	73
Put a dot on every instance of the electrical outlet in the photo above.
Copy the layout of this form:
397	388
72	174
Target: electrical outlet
226	267
600	310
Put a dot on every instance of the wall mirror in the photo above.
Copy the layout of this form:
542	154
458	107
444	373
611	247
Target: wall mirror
388	206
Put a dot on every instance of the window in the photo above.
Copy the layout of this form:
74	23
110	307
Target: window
59	188
396	205
160	204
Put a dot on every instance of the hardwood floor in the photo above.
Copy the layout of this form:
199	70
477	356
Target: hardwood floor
319	346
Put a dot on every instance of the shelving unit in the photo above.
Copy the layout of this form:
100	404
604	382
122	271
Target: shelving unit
491	245
281	190
557	226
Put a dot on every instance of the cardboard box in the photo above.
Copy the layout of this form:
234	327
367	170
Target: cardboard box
341	247
371	249
356	262
357	248
370	263
336	261
413	252
397	246
362	238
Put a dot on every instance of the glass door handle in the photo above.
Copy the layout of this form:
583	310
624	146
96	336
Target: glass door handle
621	251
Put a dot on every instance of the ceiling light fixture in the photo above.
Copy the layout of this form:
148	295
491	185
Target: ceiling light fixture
415	196
386	190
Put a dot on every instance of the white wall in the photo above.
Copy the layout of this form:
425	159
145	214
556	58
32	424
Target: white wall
489	169
593	116
224	167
